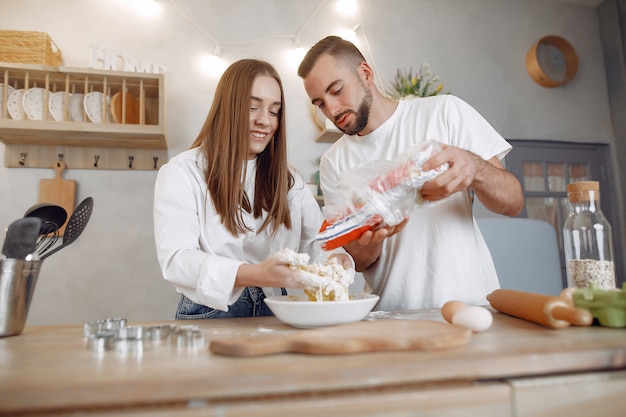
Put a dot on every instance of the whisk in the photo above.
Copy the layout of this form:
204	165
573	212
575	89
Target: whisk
48	236
52	217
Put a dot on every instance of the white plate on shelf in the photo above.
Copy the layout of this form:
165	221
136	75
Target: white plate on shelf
55	105
10	91
97	108
16	105
34	102
298	311
76	107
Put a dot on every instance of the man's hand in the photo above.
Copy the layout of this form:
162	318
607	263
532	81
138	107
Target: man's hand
463	168
367	248
378	235
496	188
344	259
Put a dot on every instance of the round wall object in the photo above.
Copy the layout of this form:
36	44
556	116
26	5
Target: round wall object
552	61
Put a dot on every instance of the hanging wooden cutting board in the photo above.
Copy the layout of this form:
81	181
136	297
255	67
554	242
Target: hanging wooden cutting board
363	336
59	191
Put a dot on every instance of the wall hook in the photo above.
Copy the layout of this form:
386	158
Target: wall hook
60	157
96	158
155	159
130	161
23	156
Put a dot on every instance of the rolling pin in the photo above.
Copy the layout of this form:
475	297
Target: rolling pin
554	312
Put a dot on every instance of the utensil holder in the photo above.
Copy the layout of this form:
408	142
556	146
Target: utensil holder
18	279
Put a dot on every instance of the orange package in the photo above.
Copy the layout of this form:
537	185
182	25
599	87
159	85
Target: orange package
389	196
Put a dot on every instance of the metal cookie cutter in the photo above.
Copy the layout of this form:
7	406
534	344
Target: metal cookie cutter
187	337
129	340
130	332
115	334
160	332
106	324
102	340
101	334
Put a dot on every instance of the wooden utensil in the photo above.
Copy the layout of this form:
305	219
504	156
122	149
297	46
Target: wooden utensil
125	108
363	336
554	312
58	191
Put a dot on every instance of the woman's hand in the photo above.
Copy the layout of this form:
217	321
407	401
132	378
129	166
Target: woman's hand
276	272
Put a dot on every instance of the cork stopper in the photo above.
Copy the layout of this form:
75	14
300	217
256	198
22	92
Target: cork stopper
583	191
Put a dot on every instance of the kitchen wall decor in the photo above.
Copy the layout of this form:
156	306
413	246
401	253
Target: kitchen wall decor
552	61
81	113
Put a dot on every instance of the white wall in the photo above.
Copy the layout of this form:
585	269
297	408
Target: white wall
476	46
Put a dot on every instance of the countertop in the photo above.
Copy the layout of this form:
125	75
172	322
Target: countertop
49	368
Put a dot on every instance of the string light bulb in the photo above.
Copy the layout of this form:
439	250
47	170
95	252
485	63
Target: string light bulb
350	35
346	7
213	65
295	56
147	8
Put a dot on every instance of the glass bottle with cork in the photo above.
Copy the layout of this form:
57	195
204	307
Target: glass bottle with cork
587	239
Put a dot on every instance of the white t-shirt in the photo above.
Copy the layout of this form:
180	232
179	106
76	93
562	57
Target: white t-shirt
198	254
440	255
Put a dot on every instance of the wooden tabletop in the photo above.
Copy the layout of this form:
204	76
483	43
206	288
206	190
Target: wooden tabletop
55	363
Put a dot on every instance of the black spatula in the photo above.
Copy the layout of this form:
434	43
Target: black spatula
75	225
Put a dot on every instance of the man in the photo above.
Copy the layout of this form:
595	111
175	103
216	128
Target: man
438	254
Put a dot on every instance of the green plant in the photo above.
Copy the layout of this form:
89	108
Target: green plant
422	83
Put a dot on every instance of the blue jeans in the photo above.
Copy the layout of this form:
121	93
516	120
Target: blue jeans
249	304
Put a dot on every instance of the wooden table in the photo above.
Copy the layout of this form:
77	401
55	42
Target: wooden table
516	368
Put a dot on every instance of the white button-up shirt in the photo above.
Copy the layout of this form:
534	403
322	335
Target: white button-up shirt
198	254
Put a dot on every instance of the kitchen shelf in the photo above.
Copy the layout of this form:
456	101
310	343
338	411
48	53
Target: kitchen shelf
328	131
138	134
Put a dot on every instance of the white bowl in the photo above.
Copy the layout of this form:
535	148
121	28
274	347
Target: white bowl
298	311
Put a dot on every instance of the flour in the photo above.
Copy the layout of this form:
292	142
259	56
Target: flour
328	281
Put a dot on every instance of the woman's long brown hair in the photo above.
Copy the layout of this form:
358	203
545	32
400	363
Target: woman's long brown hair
224	140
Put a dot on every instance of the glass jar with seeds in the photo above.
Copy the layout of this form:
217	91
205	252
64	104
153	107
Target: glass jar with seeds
587	239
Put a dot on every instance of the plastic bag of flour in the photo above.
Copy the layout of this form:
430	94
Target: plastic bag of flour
381	193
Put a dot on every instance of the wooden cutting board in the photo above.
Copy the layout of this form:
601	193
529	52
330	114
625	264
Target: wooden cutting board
363	336
127	112
59	191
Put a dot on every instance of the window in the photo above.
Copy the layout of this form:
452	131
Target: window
544	170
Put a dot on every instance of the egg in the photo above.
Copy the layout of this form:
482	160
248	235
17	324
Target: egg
450	308
476	318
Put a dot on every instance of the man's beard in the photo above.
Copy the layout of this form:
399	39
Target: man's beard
362	115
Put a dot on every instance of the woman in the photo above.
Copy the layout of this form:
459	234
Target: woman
224	207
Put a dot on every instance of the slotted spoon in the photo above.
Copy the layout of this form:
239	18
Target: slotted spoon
75	226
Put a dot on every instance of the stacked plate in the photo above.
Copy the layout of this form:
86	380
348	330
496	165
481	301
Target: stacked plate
34	103
15	106
10	91
94	108
30	104
75	101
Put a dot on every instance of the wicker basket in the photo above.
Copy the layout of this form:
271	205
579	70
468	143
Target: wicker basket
26	47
